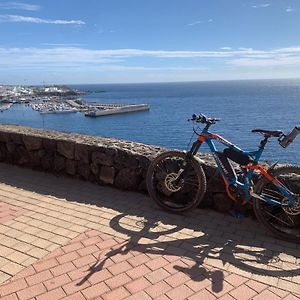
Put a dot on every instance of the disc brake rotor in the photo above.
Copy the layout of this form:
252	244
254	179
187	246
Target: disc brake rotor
169	183
293	210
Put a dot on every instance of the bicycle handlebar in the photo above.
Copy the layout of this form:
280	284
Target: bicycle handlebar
283	139
203	119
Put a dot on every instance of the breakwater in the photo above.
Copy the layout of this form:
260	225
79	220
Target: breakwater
113	110
106	161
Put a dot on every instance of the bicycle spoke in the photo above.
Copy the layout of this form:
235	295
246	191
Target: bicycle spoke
282	220
278	219
191	182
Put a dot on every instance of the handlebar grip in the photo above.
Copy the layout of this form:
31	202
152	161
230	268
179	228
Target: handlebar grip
194	117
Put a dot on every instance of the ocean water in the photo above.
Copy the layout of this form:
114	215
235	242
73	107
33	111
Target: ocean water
241	105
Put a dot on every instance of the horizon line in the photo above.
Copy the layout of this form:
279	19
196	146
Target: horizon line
153	82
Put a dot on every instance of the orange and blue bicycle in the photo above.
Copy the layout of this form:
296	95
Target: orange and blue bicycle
177	182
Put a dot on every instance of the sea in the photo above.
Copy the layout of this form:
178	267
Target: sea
241	105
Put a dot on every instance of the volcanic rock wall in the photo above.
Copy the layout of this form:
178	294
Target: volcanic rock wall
105	161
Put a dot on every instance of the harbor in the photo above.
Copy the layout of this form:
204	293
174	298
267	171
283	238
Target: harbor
61	100
89	109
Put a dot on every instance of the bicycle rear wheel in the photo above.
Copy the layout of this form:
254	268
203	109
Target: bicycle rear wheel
169	194
283	222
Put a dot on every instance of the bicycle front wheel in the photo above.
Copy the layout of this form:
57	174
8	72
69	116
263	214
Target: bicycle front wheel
282	221
169	193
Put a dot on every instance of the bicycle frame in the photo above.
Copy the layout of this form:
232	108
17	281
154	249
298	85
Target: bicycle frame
247	184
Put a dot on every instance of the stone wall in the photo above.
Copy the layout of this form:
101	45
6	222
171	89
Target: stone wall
106	161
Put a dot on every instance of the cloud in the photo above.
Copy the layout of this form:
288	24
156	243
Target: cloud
76	57
200	22
281	61
261	5
295	49
51	57
23	19
276	57
246	49
289	9
19	6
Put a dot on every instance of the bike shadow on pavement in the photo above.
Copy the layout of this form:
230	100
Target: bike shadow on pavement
211	242
196	251
193	267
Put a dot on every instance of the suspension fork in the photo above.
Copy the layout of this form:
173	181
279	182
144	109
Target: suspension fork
189	156
195	148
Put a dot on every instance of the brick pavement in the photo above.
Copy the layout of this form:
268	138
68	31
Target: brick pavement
63	238
9	212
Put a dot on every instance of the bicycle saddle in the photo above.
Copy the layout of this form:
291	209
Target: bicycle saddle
268	133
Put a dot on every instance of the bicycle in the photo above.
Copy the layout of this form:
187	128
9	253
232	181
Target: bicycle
177	182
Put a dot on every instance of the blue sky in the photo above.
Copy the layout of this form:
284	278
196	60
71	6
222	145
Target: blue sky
100	41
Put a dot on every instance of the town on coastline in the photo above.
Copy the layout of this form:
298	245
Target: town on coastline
60	99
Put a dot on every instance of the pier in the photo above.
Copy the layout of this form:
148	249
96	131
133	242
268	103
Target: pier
111	109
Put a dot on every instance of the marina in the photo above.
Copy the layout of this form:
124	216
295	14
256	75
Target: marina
61	100
59	111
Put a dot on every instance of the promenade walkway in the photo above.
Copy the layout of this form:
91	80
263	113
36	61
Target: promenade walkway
67	239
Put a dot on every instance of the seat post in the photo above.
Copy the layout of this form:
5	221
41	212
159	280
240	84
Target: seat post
263	142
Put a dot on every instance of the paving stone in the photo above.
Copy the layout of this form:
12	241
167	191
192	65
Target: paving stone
157	275
12	287
141	296
118	268
118	280
203	294
158	289
55	294
95	290
137	285
198	283
139	271
179	293
31	292
177	279
235	280
119	293
256	286
243	292
291	297
266	294
38	277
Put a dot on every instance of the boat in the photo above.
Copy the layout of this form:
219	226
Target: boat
5	107
58	111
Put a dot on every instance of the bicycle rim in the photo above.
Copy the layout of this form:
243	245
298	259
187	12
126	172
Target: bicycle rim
172	196
282	221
